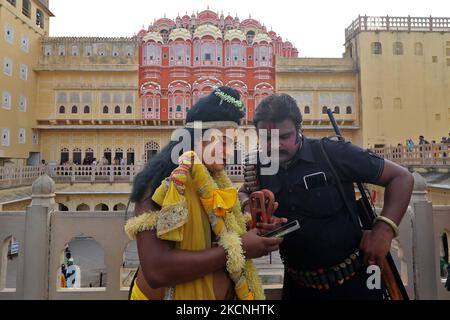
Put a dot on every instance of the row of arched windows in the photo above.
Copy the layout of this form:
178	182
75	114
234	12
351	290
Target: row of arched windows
87	109
206	52
336	110
397	48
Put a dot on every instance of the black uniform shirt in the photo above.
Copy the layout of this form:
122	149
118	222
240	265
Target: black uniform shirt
328	233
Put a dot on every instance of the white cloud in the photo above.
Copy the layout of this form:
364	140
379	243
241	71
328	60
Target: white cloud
315	27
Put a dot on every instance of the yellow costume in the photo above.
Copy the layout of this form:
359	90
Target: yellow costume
192	203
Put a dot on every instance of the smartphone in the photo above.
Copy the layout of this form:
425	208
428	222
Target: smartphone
283	230
315	180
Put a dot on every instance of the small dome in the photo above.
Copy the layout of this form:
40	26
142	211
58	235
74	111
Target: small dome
262	37
251	22
229	19
186	17
180	33
208	30
164	22
155	36
207	15
234	34
43	185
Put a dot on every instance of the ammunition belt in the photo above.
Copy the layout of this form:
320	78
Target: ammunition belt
324	279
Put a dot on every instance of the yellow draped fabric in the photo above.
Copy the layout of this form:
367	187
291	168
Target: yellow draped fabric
191	204
194	234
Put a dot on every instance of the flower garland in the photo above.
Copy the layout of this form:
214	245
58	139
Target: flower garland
225	97
219	199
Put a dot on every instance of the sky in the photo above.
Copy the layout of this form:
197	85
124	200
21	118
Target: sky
315	27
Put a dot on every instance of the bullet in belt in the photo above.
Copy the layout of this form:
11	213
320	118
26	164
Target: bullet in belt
350	268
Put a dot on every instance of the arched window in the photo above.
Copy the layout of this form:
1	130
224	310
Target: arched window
10	255
164	35
105	109
418	49
74	109
89	155
76	156
117	109
39	18
151	148
337	110
62	207
26	8
81	269
250	36
324	109
83	207
377	48
398	48
130	156
307	110
64	155
129	109
348	110
87	109
62	109
101	207
13	2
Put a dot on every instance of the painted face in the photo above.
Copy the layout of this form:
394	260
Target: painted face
222	147
289	142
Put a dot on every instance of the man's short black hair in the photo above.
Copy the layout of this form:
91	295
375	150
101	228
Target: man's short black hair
277	108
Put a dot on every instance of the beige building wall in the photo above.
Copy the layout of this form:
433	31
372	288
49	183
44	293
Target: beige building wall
19	52
406	94
316	83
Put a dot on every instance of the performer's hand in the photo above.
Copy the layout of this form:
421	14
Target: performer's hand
376	243
255	246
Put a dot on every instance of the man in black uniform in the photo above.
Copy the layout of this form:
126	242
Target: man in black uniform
328	256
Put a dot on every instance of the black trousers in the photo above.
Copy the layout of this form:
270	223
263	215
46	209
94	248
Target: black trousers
353	289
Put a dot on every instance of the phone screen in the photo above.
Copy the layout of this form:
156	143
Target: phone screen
283	230
315	180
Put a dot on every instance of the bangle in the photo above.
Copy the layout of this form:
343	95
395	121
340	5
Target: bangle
389	222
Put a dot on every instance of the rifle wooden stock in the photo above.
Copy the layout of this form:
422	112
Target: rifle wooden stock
390	275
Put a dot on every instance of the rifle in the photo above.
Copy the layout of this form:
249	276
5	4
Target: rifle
366	213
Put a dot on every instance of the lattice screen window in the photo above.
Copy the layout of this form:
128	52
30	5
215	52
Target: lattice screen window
6	100
23	71
5	137
35	137
23	104
7	66
22	135
61	50
9	33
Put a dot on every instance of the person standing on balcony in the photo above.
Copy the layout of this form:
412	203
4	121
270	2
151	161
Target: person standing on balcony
191	234
328	257
409	144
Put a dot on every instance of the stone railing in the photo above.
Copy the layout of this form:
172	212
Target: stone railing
43	233
425	155
387	23
22	176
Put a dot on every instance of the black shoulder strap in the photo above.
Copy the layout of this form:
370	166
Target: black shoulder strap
350	208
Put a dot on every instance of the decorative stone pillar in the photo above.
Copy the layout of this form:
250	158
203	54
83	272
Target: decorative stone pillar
424	256
34	284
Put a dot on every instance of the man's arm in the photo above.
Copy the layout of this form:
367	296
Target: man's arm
398	183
